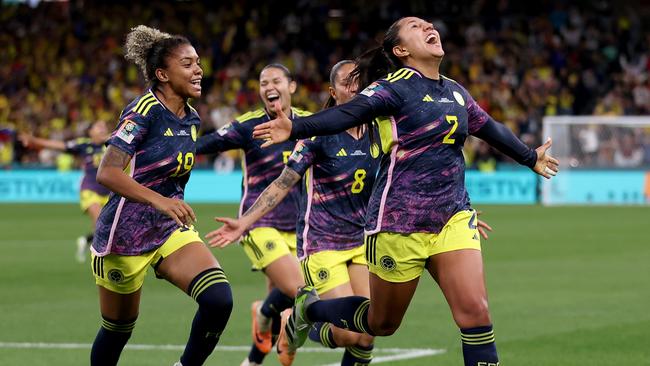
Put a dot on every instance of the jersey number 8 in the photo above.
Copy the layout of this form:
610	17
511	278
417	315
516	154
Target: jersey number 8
359	176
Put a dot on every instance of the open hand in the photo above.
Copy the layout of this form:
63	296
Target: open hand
546	165
229	233
483	228
177	209
274	131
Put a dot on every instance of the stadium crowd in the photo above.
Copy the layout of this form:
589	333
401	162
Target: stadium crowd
62	68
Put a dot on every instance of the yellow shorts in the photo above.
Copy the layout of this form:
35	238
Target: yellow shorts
328	269
397	257
125	274
263	245
88	198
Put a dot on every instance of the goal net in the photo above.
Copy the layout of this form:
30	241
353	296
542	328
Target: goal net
603	160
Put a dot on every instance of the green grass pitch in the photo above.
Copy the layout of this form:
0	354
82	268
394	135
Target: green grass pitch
568	286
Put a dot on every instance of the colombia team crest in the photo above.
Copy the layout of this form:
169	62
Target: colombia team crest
193	133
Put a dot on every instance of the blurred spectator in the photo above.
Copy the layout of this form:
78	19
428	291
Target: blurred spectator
6	147
606	153
61	64
628	153
484	159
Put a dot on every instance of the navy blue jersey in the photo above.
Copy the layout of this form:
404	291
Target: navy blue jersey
421	180
91	154
162	148
261	166
339	172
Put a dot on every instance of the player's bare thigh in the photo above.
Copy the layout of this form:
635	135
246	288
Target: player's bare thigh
187	262
388	304
359	279
460	276
116	306
285	274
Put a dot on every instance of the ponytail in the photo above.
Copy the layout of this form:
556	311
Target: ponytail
378	62
375	64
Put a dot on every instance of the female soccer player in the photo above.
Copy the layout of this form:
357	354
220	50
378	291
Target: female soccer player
419	215
341	173
270	244
92	195
146	222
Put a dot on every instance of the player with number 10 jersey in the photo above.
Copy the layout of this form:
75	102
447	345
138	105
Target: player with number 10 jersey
163	148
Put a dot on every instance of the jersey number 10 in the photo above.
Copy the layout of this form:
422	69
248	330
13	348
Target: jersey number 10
185	163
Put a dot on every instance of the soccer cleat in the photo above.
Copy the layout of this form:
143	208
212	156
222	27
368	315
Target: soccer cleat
297	327
261	329
285	355
82	246
178	364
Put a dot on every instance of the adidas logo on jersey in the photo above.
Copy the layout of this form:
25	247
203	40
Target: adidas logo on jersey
168	132
342	153
427	98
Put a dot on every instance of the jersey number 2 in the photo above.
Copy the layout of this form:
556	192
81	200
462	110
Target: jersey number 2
185	163
454	121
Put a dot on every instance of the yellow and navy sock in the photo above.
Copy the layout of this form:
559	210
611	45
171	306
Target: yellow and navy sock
322	333
357	356
275	303
479	347
110	341
349	313
212	292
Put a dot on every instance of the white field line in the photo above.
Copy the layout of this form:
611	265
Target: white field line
403	355
394	353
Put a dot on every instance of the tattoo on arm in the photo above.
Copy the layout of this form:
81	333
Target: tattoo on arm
287	179
115	157
273	194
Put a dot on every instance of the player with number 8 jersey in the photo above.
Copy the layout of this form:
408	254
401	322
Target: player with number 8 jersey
339	172
163	148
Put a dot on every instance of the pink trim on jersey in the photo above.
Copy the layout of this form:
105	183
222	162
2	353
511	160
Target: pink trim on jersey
416	71
243	197
310	197
389	179
116	219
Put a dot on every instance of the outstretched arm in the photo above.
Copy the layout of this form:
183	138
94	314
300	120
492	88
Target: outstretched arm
326	122
502	138
32	142
230	136
233	229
